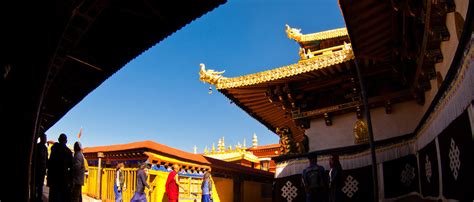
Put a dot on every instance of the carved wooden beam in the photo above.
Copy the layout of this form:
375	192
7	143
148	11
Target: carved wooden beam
358	112
434	55
327	119
439	33
352	106
388	107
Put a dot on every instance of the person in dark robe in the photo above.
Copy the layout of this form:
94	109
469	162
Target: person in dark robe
336	180
78	171
140	195
41	160
59	171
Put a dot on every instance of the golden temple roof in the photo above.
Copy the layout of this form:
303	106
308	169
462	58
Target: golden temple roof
324	35
295	34
326	58
234	156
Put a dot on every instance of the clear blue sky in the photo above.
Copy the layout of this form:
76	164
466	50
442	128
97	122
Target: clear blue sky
158	95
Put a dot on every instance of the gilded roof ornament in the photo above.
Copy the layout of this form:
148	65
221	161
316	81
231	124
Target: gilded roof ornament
335	55
210	76
293	33
324	35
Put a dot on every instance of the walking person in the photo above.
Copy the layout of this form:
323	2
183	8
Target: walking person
206	188
140	195
59	171
41	160
78	171
172	184
336	179
315	181
119	185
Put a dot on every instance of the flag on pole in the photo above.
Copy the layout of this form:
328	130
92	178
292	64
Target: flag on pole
80	133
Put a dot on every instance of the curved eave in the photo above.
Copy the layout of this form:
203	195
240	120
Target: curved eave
329	34
305	66
86	50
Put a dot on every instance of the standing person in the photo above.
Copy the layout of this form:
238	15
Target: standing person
119	185
172	184
78	171
335	179
315	181
206	188
140	195
59	171
40	167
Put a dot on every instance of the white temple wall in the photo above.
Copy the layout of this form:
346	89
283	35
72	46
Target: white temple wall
405	116
448	48
461	7
403	120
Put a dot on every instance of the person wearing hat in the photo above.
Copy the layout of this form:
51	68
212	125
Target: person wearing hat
78	170
59	171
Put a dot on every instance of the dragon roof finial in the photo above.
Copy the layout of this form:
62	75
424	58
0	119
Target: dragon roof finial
293	33
209	76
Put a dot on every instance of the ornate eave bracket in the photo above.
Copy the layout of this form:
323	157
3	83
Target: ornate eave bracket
210	76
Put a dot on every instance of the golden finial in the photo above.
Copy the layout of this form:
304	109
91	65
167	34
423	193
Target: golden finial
213	148
223	143
219	145
293	33
254	140
210	76
206	150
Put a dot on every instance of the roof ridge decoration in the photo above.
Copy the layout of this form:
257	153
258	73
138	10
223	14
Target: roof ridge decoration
294	33
329	58
209	76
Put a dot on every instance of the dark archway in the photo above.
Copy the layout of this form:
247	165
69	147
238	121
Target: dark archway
56	52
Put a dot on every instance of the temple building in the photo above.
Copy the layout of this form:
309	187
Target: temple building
232	182
258	157
416	62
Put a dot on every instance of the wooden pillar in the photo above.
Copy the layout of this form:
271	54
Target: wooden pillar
371	135
100	155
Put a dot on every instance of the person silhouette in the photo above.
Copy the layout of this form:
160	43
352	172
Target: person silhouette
41	160
78	171
59	171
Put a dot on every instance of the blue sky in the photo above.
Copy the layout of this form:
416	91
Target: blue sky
158	95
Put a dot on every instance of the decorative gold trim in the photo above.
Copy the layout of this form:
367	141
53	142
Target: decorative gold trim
324	35
234	155
327	59
294	33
